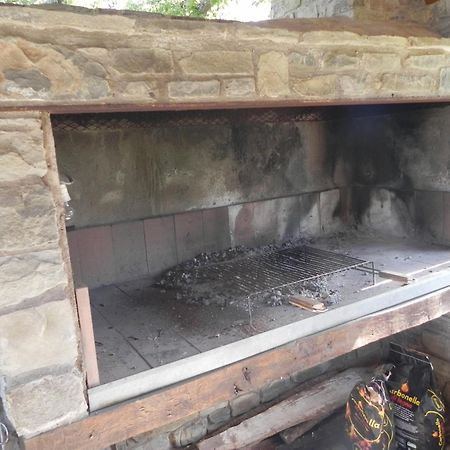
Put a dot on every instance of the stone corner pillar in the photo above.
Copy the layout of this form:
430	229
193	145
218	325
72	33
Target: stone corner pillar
42	384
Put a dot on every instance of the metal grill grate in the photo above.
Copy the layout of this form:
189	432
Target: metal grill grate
276	270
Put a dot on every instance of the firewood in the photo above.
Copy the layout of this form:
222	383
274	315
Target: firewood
310	304
292	434
312	404
396	276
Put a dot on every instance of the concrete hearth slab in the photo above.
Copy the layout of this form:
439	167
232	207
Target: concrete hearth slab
138	326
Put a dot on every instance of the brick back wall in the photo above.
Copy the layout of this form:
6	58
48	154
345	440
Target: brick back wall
119	252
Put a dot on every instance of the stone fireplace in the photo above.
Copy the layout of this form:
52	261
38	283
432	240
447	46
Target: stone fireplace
185	137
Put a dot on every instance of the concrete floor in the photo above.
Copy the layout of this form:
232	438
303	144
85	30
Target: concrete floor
138	327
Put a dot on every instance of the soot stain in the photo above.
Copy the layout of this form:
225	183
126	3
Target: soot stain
264	153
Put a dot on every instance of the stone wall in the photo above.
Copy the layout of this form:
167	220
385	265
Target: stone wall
41	383
79	58
436	16
401	171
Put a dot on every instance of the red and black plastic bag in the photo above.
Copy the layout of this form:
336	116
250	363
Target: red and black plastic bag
369	416
419	411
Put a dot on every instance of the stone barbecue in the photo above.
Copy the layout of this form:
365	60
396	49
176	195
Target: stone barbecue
179	139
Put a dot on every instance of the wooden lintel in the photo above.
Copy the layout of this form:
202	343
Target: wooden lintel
111	106
184	400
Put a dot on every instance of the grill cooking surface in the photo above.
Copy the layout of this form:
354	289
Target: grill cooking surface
275	270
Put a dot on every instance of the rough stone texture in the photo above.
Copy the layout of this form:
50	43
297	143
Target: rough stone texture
45	403
109	57
20	349
244	403
273	76
435	15
218	63
142	61
39	343
194	89
28	214
239	87
190	432
218	417
42	274
275	389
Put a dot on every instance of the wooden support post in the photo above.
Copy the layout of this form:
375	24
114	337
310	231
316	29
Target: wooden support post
87	336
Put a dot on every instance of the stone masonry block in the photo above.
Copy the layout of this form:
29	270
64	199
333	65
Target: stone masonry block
218	63
30	275
239	87
275	389
409	84
218	417
28	218
381	62
189	433
158	440
194	89
428	62
244	403
316	86
21	151
38	338
45	403
142	60
444	81
305	375
303	63
273	74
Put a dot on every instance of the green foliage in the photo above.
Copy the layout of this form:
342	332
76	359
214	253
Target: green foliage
191	8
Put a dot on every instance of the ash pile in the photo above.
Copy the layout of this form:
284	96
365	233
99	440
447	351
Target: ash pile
192	284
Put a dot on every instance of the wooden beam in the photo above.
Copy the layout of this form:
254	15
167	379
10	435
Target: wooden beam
87	336
185	400
58	107
307	405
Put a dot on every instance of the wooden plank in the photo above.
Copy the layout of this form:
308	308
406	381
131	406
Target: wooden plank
396	276
292	434
184	400
87	336
311	404
310	304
